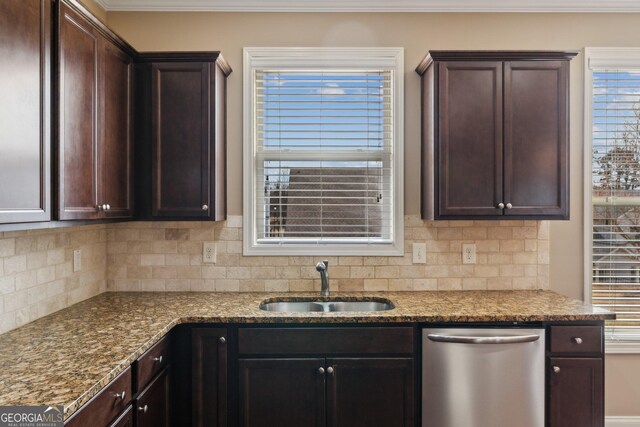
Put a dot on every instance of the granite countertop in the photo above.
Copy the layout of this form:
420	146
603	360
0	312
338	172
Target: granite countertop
67	357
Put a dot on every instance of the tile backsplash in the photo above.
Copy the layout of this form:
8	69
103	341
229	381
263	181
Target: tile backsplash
37	278
36	271
167	256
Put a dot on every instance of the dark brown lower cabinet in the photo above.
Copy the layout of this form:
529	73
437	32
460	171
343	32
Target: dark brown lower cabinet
576	392
370	392
340	392
282	392
152	404
209	381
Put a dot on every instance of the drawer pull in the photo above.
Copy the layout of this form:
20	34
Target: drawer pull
121	396
223	340
577	340
330	370
321	370
143	409
158	359
556	369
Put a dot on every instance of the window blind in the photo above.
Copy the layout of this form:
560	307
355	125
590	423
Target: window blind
323	156
616	199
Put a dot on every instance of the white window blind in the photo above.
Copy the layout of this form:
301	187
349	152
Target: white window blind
324	147
616	198
323	151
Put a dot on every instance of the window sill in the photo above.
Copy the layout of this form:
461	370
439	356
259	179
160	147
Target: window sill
324	250
622	347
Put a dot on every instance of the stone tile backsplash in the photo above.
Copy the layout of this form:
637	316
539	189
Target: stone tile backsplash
36	271
167	256
37	278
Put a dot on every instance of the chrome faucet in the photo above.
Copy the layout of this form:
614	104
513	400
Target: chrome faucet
323	269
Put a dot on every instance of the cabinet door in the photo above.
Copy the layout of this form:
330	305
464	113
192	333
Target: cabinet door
209	394
576	395
152	405
370	392
77	115
181	136
115	186
124	420
282	392
469	147
25	37
536	157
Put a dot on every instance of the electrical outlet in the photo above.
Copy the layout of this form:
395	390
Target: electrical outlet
419	253
469	253
209	252
77	260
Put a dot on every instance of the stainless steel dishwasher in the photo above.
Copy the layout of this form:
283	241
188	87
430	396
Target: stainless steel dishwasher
488	377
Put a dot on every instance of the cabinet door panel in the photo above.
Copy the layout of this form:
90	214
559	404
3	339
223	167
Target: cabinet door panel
576	395
536	137
116	144
370	392
77	114
25	37
282	392
209	377
152	406
180	135
470	138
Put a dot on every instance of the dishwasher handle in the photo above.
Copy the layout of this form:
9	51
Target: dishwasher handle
466	339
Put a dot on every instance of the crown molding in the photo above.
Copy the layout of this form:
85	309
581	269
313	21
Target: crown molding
566	6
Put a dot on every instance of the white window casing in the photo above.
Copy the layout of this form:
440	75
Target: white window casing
323	151
612	191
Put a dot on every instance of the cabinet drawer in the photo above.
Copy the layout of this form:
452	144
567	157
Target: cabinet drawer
326	341
576	339
151	362
106	405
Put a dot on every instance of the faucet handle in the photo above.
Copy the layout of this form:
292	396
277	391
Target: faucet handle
326	263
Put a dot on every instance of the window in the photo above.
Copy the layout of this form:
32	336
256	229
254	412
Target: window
613	161
323	151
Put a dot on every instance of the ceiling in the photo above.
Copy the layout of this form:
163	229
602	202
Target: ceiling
374	5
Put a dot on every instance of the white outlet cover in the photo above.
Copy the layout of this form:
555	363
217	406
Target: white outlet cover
209	252
419	253
77	260
469	253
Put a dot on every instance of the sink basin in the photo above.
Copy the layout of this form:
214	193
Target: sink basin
330	306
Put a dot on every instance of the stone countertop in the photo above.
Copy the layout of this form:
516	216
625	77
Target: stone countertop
67	357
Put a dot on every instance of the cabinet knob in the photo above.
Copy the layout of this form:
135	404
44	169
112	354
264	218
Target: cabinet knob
121	396
143	409
330	370
509	205
108	207
223	340
577	340
556	369
158	359
205	207
501	205
99	207
321	370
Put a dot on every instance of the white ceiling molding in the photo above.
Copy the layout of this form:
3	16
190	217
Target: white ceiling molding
372	5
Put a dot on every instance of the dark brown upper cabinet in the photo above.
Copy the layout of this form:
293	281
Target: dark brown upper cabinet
25	138
94	129
495	134
181	131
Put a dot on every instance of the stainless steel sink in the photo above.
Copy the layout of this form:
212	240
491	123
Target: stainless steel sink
330	306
